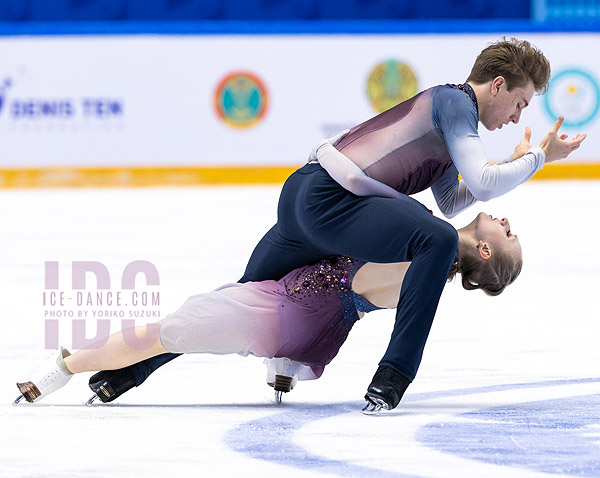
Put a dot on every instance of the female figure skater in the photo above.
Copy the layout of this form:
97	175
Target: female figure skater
304	317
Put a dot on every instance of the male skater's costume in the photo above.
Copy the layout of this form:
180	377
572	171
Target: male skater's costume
422	142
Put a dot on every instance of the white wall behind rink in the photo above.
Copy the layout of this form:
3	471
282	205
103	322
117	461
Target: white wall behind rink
149	100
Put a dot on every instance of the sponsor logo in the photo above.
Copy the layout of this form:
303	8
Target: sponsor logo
20	109
390	83
574	94
241	99
6	83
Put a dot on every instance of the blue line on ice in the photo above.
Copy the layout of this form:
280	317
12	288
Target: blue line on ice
550	436
271	438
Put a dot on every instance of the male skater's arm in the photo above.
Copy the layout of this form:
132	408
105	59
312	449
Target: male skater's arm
456	117
458	122
453	196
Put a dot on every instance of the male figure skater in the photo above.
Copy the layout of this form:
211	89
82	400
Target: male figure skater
350	199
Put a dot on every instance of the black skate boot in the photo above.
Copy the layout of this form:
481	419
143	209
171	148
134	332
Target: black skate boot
111	384
385	391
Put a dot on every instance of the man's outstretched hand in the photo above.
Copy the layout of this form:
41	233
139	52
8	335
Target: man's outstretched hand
524	145
557	147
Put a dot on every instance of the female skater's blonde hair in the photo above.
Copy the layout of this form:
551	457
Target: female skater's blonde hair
517	61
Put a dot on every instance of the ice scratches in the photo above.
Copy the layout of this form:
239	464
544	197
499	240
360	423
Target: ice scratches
592	431
513	439
272	439
557	435
525	427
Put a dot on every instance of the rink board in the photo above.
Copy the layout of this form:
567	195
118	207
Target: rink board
77	107
206	176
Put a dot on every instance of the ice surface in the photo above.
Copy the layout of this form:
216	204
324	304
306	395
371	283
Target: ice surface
509	386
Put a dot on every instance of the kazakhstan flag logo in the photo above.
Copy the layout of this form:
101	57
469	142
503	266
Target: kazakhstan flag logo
390	83
574	93
241	99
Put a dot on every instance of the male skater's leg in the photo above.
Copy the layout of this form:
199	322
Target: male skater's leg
317	217
375	229
111	384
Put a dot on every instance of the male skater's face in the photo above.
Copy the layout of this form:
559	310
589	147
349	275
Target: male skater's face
505	106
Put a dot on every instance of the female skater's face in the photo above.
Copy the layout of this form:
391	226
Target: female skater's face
497	233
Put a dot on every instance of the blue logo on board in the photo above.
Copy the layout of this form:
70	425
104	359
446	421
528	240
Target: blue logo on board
6	83
23	108
575	94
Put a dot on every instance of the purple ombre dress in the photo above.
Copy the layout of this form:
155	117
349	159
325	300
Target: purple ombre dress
306	316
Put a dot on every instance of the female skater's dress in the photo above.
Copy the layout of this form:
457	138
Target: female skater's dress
306	316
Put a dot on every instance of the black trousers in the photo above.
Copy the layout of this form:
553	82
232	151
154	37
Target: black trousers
318	218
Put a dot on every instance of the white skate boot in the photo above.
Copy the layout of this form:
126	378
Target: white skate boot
282	375
51	375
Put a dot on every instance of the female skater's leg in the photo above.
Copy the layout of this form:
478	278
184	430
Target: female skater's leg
121	349
275	255
236	318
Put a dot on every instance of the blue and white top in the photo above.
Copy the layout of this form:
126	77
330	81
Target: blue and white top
423	142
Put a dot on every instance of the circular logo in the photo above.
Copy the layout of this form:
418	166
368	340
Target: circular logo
390	83
241	99
575	95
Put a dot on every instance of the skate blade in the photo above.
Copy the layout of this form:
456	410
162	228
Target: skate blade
91	400
17	400
278	395
374	406
371	409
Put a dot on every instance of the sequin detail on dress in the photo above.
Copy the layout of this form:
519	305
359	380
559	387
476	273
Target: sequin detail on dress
332	275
